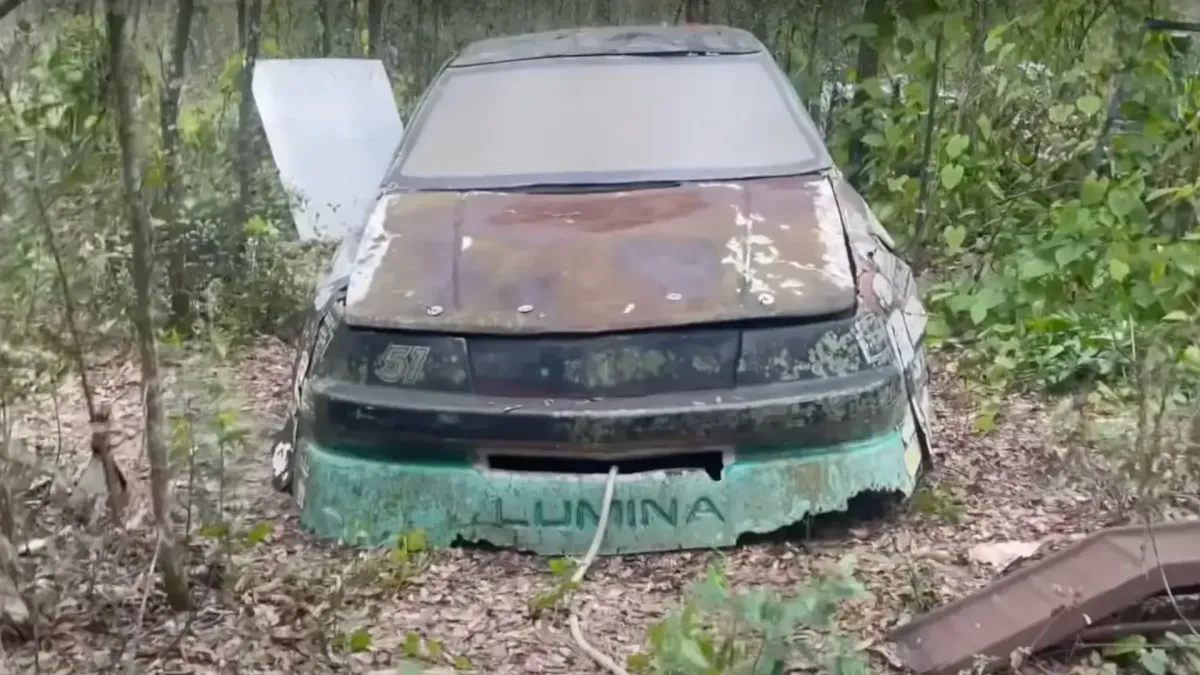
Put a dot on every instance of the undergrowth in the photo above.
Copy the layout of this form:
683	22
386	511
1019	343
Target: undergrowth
719	630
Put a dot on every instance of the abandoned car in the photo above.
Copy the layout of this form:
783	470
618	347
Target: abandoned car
596	248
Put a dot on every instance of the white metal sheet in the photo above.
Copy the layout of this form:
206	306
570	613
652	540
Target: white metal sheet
333	127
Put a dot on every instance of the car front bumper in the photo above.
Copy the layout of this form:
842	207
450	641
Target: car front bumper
370	501
808	413
373	463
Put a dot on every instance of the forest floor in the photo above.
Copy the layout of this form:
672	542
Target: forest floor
278	605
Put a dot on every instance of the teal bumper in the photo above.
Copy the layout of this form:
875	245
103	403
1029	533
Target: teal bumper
369	501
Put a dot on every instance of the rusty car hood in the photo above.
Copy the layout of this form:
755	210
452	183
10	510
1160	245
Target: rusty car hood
517	263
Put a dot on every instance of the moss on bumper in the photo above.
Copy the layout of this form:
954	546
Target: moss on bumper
369	502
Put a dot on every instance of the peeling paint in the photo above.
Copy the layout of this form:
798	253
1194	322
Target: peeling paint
859	363
788	368
613	367
749	253
831	234
372	248
872	334
556	515
833	355
889	285
845	426
883	290
836	355
915	317
479	254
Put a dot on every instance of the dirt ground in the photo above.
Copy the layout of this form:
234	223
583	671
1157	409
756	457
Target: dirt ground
275	606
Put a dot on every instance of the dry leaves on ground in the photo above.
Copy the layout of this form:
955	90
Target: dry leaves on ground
284	604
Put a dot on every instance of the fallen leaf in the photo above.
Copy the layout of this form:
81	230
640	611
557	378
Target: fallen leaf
1000	555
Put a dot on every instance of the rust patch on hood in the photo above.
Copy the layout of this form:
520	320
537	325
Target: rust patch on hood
489	262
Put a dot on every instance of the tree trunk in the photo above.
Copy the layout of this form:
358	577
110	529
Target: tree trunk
419	40
814	86
435	59
245	145
326	28
926	186
181	301
134	11
8	518
374	27
241	24
170	557
1194	431
876	13
695	11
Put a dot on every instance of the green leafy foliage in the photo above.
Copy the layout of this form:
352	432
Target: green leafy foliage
354	642
1052	245
721	631
54	136
940	503
1170	654
432	651
561	570
397	567
58	139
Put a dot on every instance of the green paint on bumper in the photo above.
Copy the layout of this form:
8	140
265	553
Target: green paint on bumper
369	501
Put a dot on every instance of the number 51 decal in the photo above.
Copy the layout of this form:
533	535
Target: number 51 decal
401	364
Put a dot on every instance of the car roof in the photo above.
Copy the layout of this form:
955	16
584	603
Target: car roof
610	41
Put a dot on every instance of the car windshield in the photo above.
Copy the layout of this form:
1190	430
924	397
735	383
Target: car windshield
606	120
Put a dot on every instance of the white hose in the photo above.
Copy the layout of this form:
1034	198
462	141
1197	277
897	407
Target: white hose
596	655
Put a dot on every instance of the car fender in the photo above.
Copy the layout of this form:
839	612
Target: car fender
887	285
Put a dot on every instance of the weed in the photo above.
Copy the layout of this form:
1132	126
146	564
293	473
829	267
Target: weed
556	598
940	502
720	631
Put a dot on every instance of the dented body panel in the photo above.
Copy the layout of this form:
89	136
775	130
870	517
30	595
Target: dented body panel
747	350
523	263
888	289
369	502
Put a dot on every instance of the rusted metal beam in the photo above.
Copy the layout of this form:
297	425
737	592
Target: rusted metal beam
1054	599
